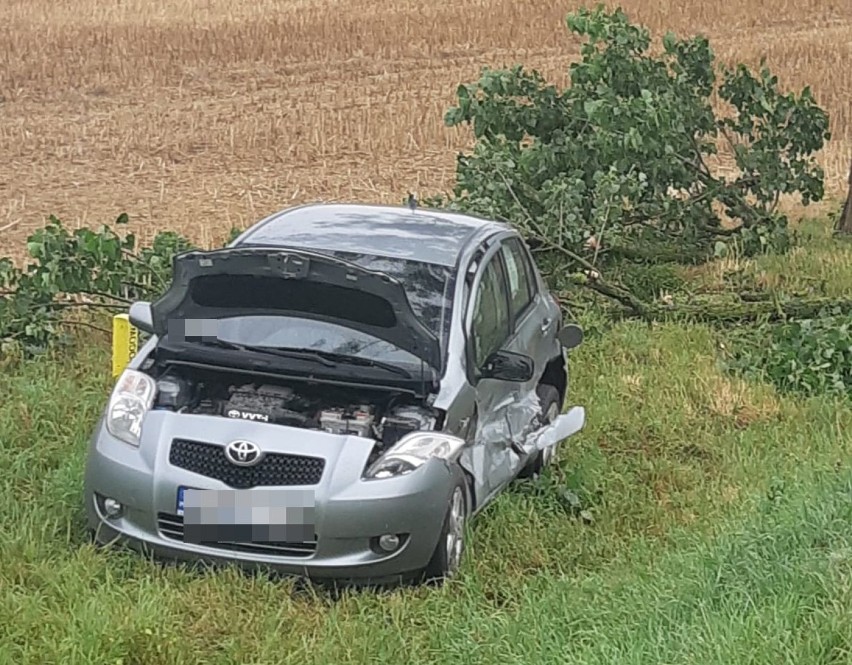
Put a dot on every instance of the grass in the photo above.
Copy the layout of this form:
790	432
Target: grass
720	533
820	264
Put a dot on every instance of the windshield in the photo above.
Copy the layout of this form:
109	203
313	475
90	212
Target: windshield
428	287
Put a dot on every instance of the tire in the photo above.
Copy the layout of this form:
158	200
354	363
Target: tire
548	397
449	550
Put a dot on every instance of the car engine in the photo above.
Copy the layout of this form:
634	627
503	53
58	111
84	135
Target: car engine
265	403
281	406
354	419
380	415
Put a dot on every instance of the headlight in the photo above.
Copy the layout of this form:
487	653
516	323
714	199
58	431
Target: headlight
412	451
131	398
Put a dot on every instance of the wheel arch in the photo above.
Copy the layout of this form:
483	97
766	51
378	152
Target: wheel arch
556	375
470	481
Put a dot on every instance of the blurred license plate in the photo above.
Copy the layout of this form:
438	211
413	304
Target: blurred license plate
255	516
180	494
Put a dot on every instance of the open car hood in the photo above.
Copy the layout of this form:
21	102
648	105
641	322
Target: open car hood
267	281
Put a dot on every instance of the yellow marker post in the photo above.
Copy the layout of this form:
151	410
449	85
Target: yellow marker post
125	343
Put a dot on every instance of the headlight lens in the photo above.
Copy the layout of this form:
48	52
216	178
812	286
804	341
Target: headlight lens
131	399
412	451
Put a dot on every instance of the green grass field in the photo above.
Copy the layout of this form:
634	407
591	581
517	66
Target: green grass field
721	531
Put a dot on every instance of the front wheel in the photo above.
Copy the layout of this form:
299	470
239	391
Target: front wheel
448	553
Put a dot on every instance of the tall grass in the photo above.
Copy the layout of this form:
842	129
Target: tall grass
720	534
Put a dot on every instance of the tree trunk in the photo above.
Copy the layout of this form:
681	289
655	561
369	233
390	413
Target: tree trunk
844	222
728	312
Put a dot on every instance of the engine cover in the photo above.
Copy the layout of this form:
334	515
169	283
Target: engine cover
267	404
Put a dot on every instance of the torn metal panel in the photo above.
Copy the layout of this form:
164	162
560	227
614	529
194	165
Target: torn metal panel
499	451
510	436
560	429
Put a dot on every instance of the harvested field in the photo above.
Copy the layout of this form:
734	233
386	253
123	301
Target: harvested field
202	115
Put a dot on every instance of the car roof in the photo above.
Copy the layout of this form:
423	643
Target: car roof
431	236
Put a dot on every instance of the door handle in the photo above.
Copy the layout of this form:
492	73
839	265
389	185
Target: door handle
545	325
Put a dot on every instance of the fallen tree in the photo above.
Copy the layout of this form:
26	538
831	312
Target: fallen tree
844	222
618	166
78	271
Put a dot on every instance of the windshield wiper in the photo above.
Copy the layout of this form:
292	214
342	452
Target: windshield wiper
356	360
327	358
271	351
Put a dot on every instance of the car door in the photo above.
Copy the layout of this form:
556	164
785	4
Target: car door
531	327
488	327
532	321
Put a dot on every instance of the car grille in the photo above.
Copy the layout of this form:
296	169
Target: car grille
171	526
208	459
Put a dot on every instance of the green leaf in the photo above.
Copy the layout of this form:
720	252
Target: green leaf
591	106
560	164
89	262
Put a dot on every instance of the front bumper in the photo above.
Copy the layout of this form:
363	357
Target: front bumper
349	512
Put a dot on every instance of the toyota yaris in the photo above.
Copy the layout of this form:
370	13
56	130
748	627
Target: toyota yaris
333	395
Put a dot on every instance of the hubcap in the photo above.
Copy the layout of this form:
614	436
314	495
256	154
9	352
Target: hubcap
549	453
455	531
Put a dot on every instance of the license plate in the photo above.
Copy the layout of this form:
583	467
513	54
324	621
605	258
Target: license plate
180	495
257	515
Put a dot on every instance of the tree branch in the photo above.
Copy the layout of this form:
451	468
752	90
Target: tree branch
85	305
84	324
595	281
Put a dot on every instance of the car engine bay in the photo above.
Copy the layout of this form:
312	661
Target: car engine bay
382	415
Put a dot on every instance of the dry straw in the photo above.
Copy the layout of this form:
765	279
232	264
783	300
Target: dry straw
202	115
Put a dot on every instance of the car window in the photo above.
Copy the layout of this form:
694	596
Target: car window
429	287
490	326
519	277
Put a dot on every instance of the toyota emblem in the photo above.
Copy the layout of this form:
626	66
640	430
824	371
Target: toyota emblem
243	453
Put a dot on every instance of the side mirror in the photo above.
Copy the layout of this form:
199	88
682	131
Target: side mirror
141	316
570	336
508	366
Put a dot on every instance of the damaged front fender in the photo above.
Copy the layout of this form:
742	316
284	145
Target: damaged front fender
506	441
561	428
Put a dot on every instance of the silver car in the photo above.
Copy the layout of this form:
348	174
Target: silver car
333	395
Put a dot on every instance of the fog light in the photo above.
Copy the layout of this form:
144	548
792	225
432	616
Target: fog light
389	542
112	508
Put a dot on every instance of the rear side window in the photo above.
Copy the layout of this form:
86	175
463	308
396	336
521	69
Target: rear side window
519	277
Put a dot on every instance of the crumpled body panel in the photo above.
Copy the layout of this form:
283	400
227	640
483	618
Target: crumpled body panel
563	427
511	435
